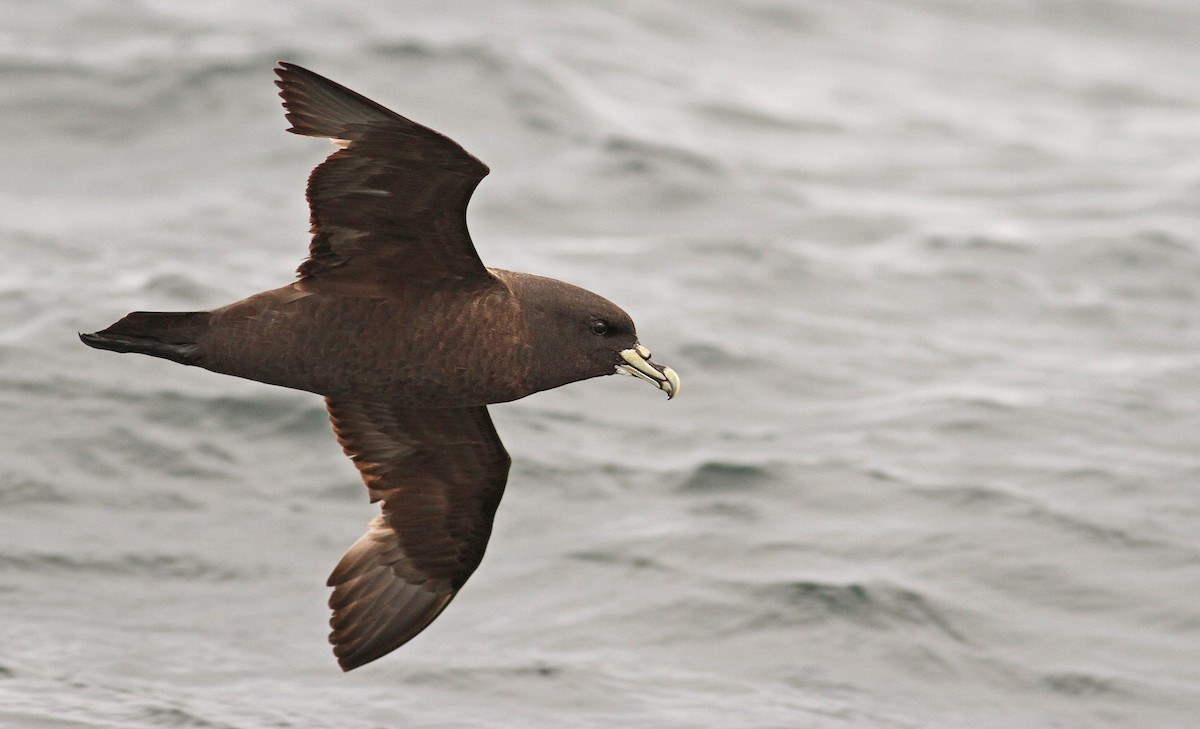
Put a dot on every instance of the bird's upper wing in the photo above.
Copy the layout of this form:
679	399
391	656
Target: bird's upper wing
389	207
440	474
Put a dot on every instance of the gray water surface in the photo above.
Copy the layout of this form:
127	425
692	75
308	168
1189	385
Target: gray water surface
929	270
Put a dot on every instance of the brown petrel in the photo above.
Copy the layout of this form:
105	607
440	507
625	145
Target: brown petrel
409	337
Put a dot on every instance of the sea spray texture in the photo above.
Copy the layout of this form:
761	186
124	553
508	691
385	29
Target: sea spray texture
931	270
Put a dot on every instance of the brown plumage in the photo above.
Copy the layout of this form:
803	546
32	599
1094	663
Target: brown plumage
396	321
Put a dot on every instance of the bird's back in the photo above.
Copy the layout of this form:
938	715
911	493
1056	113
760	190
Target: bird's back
421	347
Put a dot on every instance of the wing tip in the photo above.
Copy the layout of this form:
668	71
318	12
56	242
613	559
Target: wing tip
291	83
353	650
317	106
377	622
349	663
286	70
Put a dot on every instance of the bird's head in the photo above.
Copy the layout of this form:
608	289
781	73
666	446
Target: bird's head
578	335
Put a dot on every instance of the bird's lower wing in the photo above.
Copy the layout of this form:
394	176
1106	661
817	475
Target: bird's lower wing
439	474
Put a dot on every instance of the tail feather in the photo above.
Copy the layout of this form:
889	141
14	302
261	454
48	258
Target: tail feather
169	335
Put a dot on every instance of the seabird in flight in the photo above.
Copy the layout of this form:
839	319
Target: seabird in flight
409	337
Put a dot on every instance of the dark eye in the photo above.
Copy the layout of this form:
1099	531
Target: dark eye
600	326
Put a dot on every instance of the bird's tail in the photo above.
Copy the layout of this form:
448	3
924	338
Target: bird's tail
166	334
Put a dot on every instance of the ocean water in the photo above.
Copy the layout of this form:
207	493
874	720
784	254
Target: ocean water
929	271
